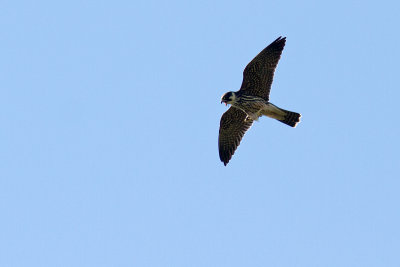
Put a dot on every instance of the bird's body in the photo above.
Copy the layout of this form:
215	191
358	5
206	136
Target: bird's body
255	107
251	105
252	101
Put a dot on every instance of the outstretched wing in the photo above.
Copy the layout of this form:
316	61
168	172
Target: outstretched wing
259	73
231	130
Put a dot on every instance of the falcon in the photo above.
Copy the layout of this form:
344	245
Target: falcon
252	101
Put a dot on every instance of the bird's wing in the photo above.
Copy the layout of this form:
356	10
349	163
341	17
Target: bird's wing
259	73
231	130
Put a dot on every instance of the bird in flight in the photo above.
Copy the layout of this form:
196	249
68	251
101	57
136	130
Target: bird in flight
252	101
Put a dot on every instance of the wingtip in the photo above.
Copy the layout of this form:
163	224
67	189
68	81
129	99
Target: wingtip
280	38
224	160
280	41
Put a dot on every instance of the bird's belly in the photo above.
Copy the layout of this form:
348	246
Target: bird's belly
253	109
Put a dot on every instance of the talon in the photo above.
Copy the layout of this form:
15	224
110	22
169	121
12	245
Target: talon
247	119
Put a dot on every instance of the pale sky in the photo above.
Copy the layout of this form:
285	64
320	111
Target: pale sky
110	113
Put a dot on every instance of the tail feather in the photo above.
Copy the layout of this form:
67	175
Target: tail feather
291	118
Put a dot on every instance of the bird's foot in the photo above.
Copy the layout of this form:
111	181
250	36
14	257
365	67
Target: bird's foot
248	118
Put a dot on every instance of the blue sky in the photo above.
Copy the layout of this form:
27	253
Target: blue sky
110	112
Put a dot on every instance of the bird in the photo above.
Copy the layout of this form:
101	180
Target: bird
252	101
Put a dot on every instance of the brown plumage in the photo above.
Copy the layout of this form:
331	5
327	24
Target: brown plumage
232	128
259	73
257	80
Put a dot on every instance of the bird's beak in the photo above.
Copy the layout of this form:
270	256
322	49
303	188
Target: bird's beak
223	101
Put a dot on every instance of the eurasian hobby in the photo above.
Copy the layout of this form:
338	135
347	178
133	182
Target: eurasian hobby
252	101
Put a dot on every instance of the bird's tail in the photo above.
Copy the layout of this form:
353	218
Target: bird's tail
285	116
291	118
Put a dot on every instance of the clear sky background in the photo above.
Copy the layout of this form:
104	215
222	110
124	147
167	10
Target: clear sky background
109	114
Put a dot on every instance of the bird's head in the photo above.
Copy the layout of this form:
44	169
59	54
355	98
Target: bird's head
228	98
